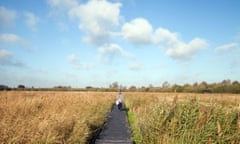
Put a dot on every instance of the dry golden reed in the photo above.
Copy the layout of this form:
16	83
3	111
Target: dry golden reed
52	117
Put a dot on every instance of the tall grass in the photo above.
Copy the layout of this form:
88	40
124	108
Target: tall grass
51	117
171	118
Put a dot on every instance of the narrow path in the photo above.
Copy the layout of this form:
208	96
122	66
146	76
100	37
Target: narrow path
116	130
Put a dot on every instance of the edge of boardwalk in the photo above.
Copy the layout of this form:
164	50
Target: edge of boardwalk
95	135
115	130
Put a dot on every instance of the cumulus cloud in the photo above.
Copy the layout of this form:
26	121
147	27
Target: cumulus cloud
226	47
31	20
175	48
7	17
138	31
97	19
75	61
165	38
183	51
9	38
109	52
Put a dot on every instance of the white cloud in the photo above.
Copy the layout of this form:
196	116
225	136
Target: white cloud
138	31
184	51
31	20
74	60
7	17
12	39
97	19
164	37
109	52
226	47
134	66
176	48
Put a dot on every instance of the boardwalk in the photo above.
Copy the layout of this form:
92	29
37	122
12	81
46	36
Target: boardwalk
116	130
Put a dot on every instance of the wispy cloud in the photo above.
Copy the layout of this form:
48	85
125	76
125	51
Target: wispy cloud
134	67
7	17
62	4
75	61
226	47
235	63
9	38
62	27
32	20
4	54
7	59
109	52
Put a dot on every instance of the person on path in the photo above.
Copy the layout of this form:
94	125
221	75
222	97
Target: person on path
119	101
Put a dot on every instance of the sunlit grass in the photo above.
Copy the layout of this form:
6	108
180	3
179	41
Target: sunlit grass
51	117
169	118
72	117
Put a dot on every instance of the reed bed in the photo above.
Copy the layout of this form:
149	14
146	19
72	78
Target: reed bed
52	117
170	118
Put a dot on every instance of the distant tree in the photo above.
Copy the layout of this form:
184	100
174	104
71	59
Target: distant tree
4	87
177	88
165	84
21	86
235	83
150	86
114	85
188	88
195	84
143	89
132	88
236	87
88	87
203	85
123	88
226	82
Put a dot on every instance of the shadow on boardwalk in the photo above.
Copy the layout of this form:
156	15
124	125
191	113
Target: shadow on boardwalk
116	129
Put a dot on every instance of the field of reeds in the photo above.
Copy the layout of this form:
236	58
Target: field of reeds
52	117
169	118
163	118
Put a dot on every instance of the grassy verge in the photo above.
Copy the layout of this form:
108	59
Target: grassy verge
136	135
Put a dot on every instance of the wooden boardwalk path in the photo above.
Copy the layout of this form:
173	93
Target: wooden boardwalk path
116	130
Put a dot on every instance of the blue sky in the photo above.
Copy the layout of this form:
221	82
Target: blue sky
45	43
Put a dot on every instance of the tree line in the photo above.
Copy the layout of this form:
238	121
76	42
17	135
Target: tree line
225	86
